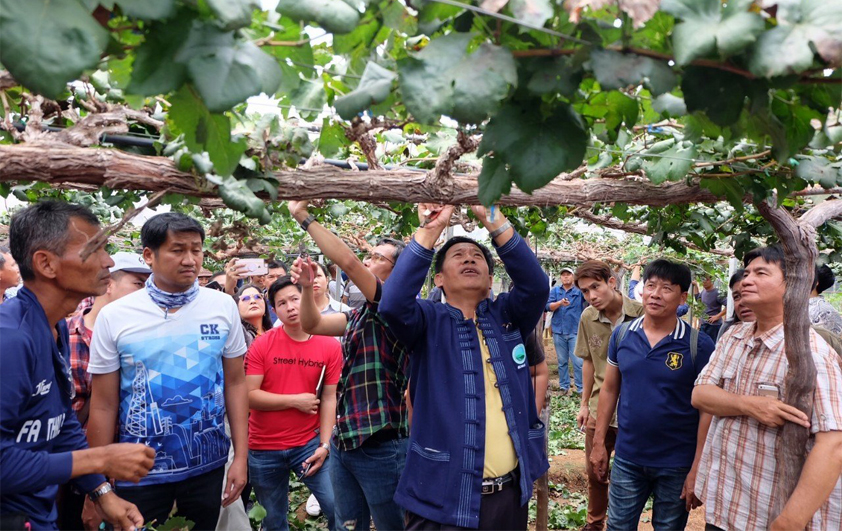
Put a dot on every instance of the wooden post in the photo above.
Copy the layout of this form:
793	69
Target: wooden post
542	486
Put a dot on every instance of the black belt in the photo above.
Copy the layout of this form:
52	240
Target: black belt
492	485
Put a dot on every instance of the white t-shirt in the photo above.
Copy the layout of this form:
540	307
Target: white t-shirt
171	378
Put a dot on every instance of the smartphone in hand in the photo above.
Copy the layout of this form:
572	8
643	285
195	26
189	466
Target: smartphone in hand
304	469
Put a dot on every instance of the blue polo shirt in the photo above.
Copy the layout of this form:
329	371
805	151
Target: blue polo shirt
566	318
657	424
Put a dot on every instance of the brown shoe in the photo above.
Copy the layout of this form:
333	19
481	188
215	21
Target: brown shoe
596	526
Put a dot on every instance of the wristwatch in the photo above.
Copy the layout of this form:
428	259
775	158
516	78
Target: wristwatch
101	491
306	223
326	446
499	230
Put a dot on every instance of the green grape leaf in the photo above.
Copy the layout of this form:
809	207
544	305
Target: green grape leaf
819	170
444	78
309	98
233	13
670	105
534	12
335	16
709	29
727	188
804	29
621	109
374	87
670	165
226	71
237	195
536	148
47	43
494	181
559	74
720	94
615	70
151	74
332	140
147	9
204	131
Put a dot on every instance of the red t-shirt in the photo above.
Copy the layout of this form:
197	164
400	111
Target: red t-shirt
289	367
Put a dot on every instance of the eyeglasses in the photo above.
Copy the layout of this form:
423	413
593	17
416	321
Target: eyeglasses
247	298
377	257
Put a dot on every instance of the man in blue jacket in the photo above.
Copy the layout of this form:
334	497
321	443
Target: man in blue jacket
476	444
41	441
567	303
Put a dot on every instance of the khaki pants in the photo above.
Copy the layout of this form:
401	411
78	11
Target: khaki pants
597	490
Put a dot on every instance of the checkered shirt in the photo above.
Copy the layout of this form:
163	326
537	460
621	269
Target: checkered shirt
374	377
737	473
80	353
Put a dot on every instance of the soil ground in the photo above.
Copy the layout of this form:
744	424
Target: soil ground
568	469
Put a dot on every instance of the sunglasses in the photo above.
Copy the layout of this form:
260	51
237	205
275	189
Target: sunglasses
247	298
377	257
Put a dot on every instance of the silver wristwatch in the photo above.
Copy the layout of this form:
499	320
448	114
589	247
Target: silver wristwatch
326	446
100	492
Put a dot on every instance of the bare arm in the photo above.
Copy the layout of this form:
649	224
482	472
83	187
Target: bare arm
337	251
236	404
541	373
608	395
105	404
712	399
312	320
818	477
587	388
266	401
327	413
688	493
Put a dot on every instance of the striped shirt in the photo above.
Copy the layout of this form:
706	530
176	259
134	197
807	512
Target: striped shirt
737	473
375	374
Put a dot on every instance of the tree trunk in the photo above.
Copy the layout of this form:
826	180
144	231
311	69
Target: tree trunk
798	241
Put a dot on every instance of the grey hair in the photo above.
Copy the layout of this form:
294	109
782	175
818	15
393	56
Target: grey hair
3	250
43	227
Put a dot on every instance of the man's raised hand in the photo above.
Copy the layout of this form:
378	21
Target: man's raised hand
303	272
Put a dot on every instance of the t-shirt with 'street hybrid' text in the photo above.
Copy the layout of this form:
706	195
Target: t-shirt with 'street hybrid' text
289	367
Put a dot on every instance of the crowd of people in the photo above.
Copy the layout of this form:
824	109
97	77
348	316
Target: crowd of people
136	384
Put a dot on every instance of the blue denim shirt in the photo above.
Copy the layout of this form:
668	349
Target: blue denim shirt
442	480
566	318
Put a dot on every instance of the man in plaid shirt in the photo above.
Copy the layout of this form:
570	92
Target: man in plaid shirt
128	275
369	449
742	387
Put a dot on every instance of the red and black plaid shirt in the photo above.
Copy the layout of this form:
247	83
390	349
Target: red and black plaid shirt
374	378
80	353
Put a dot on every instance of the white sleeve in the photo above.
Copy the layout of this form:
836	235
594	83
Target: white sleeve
235	345
104	355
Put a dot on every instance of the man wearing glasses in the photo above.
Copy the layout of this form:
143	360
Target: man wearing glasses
371	427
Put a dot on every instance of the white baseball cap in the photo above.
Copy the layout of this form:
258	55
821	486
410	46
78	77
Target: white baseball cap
131	262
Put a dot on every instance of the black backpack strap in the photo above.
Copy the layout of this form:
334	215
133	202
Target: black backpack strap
694	344
624	329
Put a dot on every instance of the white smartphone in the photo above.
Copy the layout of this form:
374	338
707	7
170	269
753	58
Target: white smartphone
769	390
254	266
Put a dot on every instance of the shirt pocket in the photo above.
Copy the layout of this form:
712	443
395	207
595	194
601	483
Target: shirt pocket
431	472
729	378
